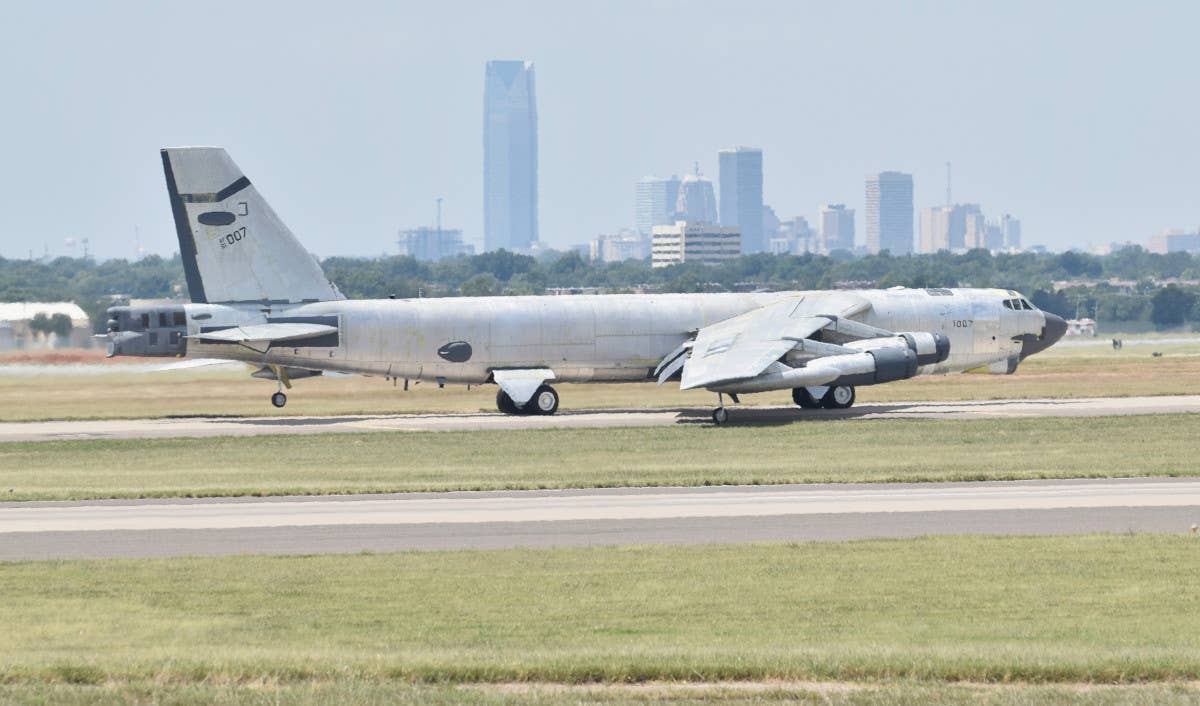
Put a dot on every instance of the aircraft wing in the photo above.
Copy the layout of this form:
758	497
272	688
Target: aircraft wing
744	346
267	333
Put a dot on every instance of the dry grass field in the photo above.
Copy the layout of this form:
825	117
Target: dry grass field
71	389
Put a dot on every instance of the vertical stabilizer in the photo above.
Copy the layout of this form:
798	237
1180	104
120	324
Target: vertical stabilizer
233	246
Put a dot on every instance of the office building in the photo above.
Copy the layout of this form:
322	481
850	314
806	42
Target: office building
1170	241
510	185
974	231
836	228
741	180
432	244
793	237
1011	228
702	243
626	245
945	227
654	203
696	203
889	201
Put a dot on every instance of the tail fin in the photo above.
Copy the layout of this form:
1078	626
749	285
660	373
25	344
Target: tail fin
234	247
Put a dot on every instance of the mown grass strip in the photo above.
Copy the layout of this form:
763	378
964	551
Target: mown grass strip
816	451
357	691
1104	609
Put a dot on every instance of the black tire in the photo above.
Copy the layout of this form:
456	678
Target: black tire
505	404
720	416
803	398
279	399
840	397
544	401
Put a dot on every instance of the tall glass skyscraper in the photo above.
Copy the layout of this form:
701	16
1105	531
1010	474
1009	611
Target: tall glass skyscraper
741	177
510	186
890	213
654	203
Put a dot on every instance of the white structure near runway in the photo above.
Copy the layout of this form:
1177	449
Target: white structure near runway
19	325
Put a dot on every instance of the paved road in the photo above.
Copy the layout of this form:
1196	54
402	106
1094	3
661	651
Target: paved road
253	426
486	520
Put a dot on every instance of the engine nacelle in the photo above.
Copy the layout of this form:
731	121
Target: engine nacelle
889	364
872	367
930	348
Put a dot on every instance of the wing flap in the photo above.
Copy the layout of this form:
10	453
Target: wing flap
271	333
744	346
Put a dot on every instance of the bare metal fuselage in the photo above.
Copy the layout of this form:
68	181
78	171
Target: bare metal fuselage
601	338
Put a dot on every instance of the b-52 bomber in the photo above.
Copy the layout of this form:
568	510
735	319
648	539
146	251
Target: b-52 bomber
259	297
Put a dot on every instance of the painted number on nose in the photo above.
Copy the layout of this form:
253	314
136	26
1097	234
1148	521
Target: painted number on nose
963	323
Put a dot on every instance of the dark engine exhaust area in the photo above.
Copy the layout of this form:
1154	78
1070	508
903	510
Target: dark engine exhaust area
152	331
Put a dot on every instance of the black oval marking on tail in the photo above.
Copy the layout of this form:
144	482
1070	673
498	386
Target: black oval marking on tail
216	218
456	351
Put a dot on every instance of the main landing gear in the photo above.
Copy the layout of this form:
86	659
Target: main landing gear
837	397
544	401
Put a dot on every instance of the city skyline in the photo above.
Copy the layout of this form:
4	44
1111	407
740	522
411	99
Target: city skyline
355	121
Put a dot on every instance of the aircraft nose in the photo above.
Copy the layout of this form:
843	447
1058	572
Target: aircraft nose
1054	329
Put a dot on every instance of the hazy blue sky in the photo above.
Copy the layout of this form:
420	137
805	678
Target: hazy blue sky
1081	118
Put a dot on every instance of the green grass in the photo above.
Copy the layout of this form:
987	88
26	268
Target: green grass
815	451
1109	609
352	691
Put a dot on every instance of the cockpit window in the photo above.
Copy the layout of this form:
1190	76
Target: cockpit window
1011	304
1026	305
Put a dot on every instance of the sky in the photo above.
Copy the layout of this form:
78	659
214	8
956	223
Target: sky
1079	118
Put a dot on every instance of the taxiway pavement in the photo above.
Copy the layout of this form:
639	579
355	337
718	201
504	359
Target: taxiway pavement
577	419
503	519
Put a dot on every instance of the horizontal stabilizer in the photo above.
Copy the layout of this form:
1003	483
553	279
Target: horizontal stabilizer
271	333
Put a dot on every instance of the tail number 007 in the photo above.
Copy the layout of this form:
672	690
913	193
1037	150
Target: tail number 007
231	239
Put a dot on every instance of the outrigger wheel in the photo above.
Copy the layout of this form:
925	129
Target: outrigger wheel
279	399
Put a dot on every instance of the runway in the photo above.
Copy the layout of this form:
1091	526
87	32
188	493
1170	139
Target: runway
493	520
581	419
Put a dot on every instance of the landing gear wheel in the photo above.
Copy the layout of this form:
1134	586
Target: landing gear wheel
545	401
802	397
840	397
505	404
279	399
720	415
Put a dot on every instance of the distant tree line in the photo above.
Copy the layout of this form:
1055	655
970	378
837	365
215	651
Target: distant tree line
1140	296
